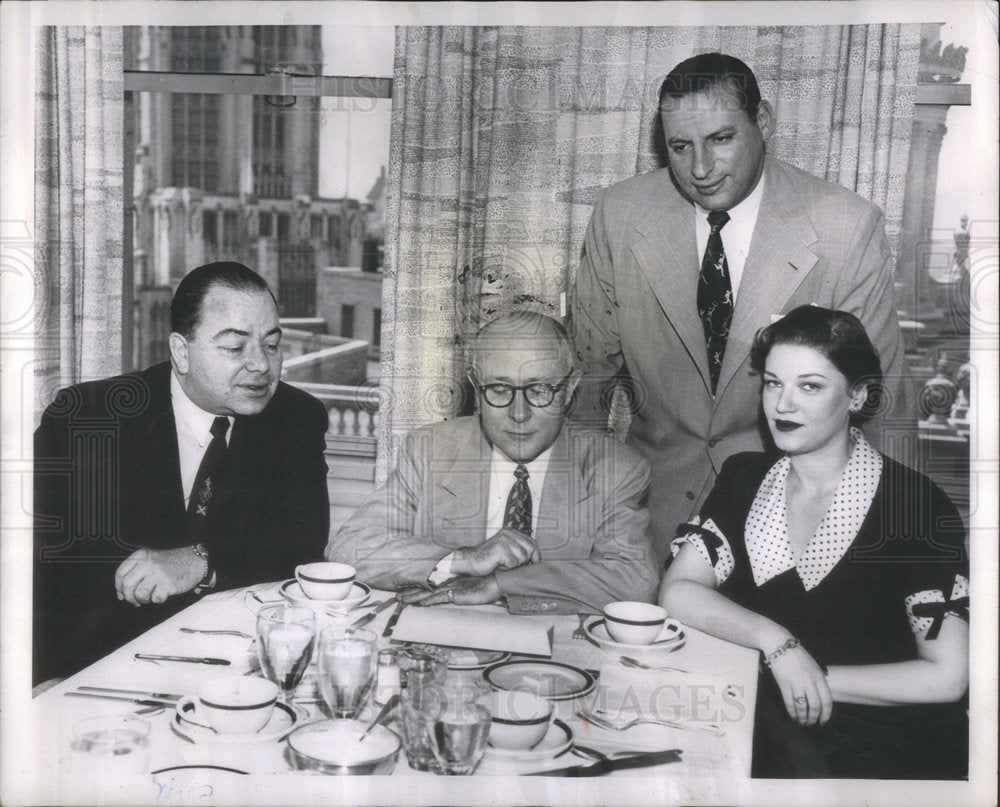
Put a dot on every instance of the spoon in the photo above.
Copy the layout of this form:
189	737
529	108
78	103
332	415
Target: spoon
389	706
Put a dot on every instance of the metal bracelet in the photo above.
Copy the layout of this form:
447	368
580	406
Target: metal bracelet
202	552
790	644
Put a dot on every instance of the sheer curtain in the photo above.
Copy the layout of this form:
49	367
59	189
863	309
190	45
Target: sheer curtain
78	207
502	139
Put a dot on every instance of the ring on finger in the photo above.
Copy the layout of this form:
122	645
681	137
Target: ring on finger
451	595
800	699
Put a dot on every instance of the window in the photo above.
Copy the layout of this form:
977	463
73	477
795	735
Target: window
264	166
347	321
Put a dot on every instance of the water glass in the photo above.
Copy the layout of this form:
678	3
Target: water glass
446	725
112	745
422	664
286	635
347	661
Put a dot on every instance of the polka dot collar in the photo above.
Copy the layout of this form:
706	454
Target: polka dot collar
767	523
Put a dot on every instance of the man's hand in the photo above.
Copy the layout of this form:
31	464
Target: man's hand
152	575
507	549
464	591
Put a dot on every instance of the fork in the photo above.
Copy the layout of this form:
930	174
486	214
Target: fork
605	723
628	661
579	633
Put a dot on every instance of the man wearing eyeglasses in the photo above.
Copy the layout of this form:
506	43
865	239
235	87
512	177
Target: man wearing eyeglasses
511	504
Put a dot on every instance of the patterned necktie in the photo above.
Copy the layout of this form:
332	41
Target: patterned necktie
715	295
207	479
517	514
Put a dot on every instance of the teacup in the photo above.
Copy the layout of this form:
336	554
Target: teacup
325	580
238	704
634	622
520	719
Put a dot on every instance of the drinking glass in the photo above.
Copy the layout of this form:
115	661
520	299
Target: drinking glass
347	660
446	725
111	744
286	635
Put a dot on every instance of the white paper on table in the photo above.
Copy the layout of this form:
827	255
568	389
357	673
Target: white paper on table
460	626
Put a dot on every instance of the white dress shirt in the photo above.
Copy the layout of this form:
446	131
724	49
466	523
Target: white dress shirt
501	481
194	433
736	234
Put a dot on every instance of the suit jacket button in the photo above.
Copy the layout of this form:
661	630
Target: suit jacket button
690	495
714	442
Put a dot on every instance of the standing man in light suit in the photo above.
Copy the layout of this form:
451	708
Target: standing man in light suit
683	265
512	504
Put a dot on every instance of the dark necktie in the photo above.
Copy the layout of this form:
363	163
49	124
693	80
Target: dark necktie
206	482
517	514
715	295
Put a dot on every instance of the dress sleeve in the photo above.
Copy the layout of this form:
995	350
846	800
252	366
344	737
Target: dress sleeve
937	574
707	538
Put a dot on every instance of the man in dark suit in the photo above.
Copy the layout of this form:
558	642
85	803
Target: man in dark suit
510	505
683	265
203	473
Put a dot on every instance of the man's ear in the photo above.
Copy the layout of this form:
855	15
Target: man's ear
572	381
178	353
766	120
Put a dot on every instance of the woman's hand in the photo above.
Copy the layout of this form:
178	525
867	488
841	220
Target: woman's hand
803	687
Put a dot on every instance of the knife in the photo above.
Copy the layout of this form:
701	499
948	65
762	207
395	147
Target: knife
190	659
140	701
159	695
400	605
361	621
607	765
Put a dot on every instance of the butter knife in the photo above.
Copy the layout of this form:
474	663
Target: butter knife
361	621
111	690
140	701
400	605
189	659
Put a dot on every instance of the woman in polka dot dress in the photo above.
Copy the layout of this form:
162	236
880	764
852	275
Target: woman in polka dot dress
845	569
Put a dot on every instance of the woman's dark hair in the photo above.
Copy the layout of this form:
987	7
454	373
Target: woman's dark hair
837	335
185	308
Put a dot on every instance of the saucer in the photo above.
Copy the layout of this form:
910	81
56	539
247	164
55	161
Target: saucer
465	658
292	591
557	741
551	680
283	719
669	639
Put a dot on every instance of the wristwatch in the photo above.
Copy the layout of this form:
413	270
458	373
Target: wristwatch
202	552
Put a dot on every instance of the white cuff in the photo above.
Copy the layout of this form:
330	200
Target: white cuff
441	573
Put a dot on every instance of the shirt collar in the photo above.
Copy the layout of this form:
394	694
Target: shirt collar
502	464
197	420
767	525
746	211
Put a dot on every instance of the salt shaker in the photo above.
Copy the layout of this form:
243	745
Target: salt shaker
387	677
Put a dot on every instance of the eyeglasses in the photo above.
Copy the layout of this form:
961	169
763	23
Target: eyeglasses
537	394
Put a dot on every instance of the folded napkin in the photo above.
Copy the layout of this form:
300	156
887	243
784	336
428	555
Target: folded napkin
464	626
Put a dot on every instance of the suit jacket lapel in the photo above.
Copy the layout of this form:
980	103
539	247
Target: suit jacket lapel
666	251
562	489
163	459
779	259
460	474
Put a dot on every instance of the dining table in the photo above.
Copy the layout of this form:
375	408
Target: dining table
708	692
